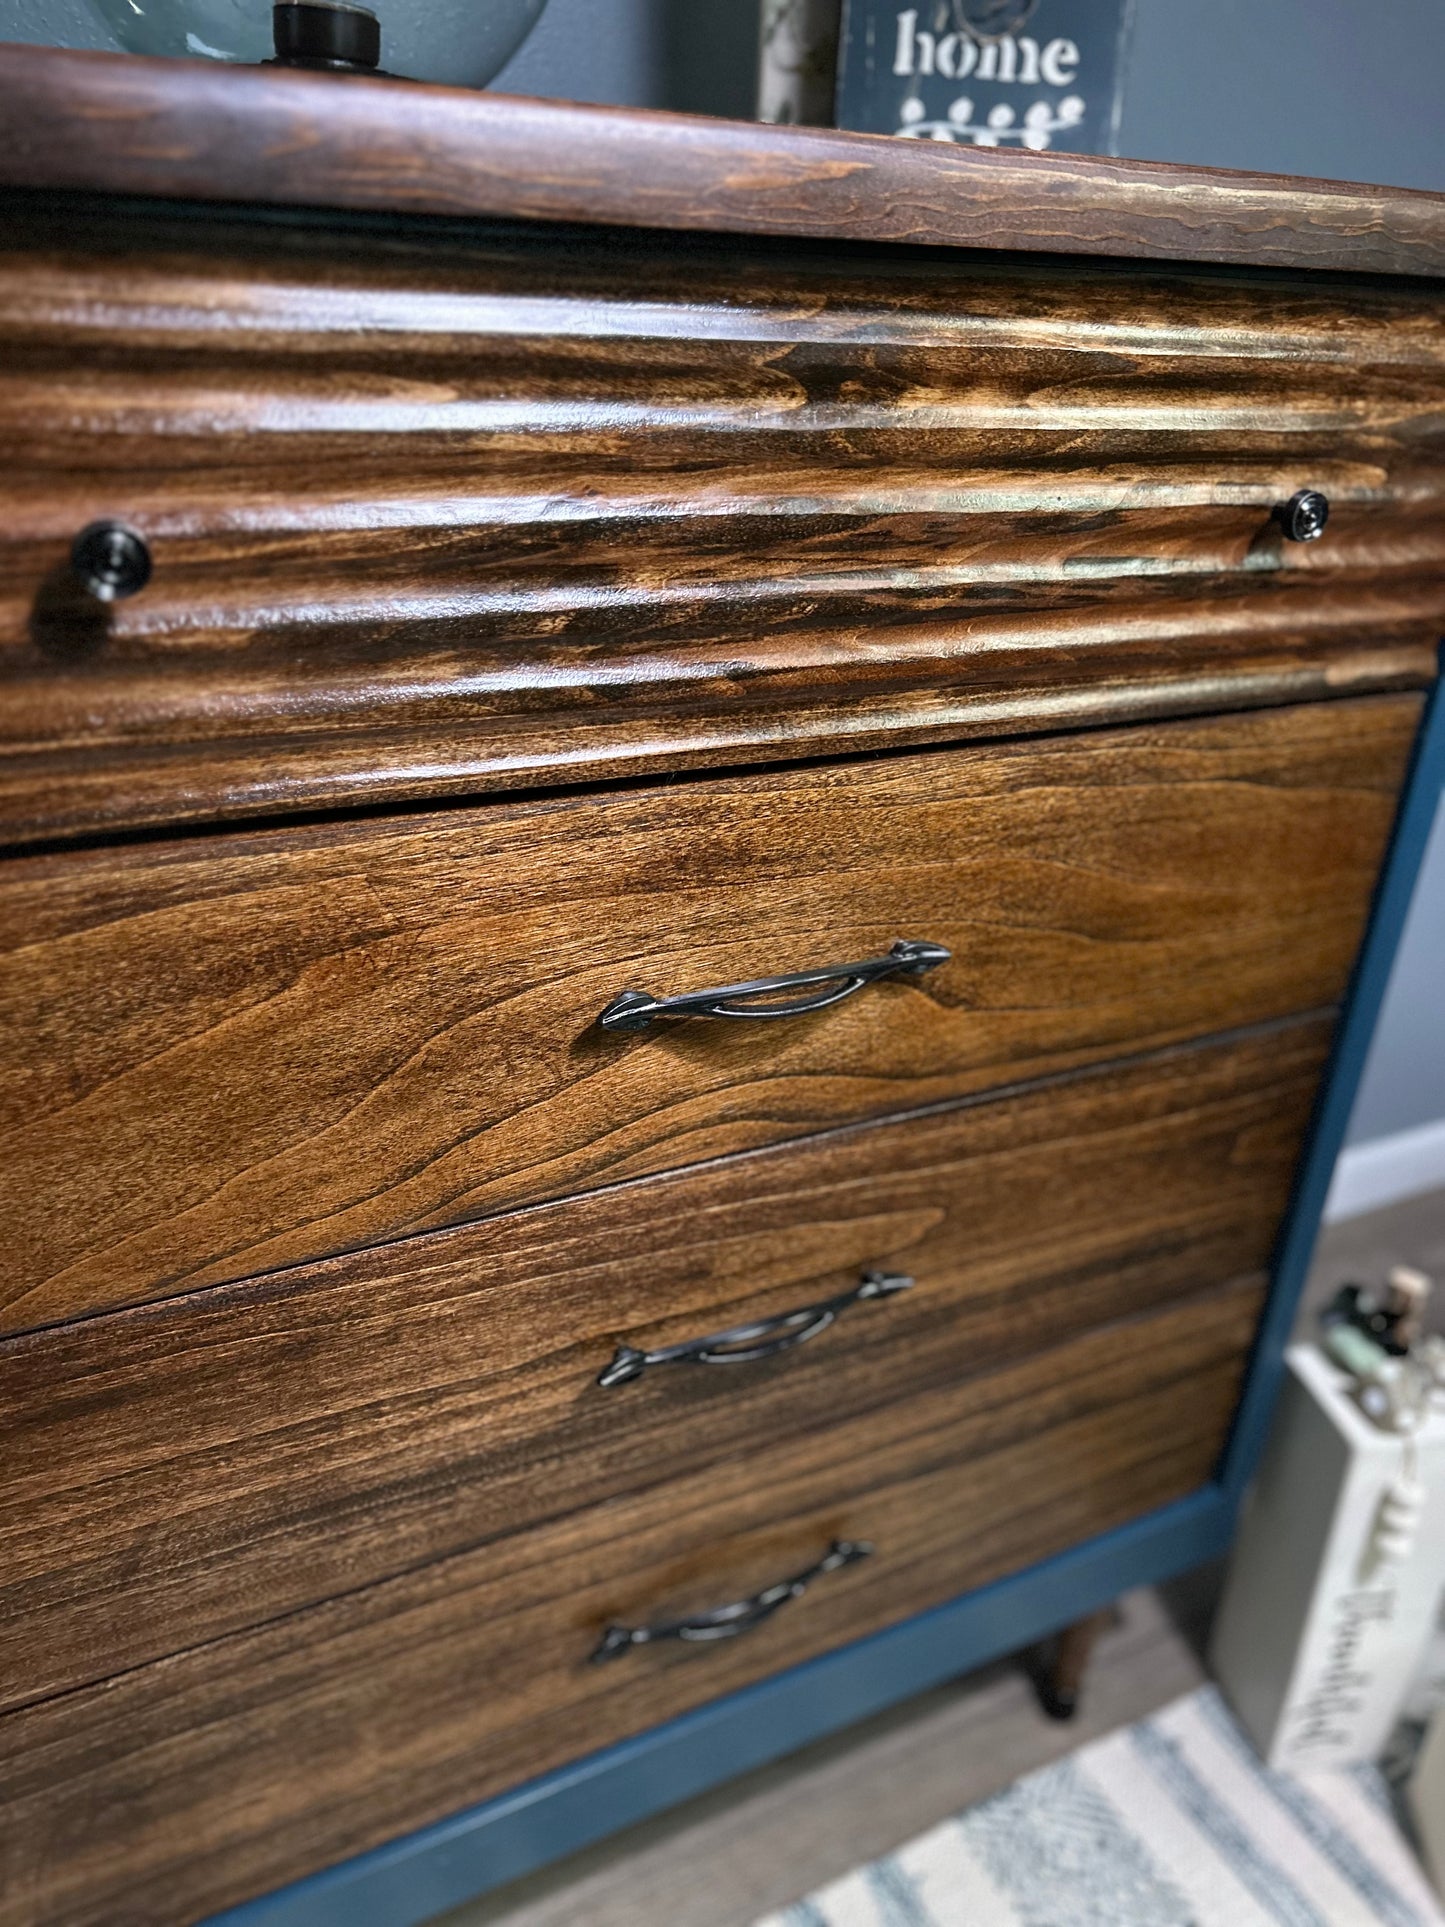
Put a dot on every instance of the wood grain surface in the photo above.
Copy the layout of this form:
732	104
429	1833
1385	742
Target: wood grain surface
328	1199
118	124
188	1470
459	515
228	1054
218	1773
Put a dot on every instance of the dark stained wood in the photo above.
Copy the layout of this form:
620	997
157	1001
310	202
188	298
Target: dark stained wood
442	517
202	131
672	460
223	1771
185	1471
230	1054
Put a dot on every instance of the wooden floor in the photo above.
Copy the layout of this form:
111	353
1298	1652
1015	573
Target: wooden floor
766	1839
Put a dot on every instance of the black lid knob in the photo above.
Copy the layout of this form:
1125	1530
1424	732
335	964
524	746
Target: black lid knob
318	33
1304	516
111	560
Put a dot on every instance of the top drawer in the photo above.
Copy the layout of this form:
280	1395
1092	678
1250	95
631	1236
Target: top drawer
429	515
227	1054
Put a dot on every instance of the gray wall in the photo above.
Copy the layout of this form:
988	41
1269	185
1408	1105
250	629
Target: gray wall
1331	87
1349	89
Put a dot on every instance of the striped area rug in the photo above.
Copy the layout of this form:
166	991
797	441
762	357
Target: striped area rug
1170	1823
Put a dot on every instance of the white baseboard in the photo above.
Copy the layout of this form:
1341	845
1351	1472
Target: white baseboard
1383	1170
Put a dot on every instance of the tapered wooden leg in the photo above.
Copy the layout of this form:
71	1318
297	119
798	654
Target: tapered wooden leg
1062	1678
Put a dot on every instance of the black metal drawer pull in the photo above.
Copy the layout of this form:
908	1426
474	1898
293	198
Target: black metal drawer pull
636	1009
766	1339
726	1622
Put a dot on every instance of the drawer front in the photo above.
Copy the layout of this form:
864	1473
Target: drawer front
430	516
199	1780
182	1472
230	1055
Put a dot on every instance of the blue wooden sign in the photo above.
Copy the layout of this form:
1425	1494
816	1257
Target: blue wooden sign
1031	74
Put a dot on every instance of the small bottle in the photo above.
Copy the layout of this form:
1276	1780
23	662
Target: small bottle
1392	1314
1407	1296
1389	1390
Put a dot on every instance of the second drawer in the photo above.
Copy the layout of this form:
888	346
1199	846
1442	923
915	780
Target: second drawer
229	1055
179	1472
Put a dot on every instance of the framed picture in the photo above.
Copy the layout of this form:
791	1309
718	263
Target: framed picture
1031	74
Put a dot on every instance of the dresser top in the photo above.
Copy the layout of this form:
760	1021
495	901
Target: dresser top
115	123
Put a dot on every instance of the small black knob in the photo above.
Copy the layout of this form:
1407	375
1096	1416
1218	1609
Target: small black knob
111	560
319	33
1304	516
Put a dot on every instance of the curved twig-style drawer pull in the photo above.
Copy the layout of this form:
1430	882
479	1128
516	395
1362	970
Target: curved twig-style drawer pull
636	1009
766	1339
726	1622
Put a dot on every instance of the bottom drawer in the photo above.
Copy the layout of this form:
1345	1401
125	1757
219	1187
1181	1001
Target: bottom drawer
195	1781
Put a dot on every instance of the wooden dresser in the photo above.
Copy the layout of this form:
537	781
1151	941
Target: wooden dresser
498	598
